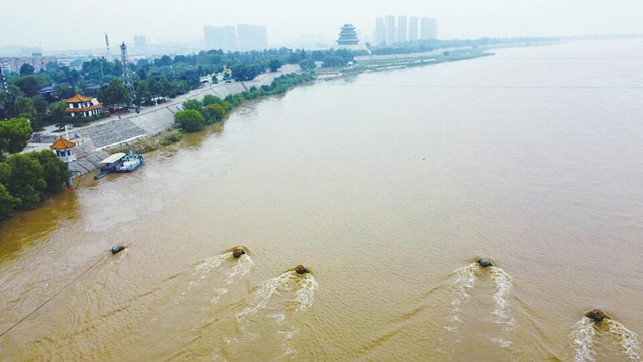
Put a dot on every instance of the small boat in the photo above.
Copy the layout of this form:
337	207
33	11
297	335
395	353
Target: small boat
100	175
120	162
130	162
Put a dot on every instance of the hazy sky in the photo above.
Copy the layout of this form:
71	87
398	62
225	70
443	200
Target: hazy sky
65	24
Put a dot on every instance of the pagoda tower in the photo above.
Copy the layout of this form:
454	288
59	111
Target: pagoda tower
348	35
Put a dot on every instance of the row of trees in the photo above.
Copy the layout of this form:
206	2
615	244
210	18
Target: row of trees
197	114
164	77
211	109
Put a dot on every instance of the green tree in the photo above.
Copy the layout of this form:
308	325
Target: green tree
164	88
114	93
333	61
209	99
274	65
142	90
307	64
5	173
29	84
244	71
25	107
214	113
26	69
27	182
192	104
58	115
14	135
190	120
40	103
4	105
64	90
7	203
54	170
163	61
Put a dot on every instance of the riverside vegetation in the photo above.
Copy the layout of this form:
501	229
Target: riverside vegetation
212	109
196	115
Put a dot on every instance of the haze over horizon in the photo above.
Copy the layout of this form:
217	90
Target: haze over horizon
63	25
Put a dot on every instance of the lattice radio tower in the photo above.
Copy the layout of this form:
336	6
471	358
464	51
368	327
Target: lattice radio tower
3	81
127	73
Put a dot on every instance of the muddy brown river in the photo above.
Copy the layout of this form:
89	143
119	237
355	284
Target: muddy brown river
388	186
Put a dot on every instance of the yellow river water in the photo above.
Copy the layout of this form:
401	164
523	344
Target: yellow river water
388	186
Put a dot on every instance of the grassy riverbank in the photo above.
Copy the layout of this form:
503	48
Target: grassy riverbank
152	143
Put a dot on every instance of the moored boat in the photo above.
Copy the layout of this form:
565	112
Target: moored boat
112	162
130	162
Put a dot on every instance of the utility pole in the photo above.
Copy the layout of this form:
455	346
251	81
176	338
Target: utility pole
127	74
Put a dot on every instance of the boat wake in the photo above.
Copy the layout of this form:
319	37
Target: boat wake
243	267
582	338
203	270
270	305
503	287
464	280
629	341
585	332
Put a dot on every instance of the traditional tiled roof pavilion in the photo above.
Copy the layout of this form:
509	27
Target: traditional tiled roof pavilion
83	106
63	147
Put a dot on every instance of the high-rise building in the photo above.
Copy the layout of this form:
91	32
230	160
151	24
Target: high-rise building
252	37
220	37
390	29
140	44
413	28
140	41
380	31
429	28
402	29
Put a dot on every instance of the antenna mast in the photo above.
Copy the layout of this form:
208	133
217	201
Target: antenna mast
127	73
109	54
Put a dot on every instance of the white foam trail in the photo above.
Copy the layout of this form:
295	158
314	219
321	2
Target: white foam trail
267	290
305	294
503	287
286	337
202	270
465	279
213	262
630	341
243	267
219	293
501	342
582	338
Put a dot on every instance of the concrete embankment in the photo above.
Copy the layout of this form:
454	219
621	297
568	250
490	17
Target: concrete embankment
93	140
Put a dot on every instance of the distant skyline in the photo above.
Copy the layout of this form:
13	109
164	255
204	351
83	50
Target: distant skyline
55	26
